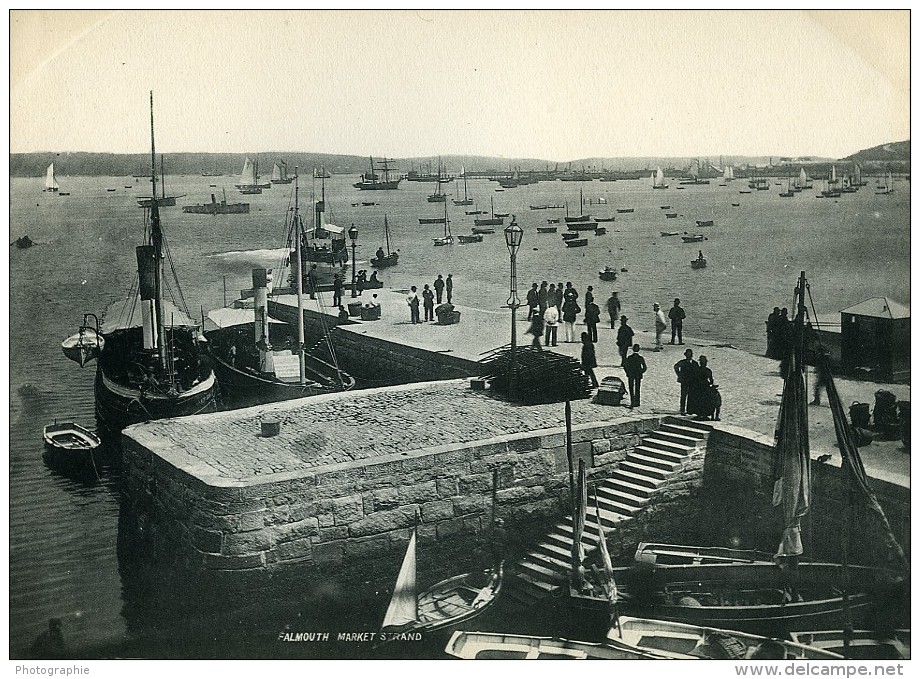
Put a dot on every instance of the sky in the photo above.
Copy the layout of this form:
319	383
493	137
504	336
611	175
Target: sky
554	85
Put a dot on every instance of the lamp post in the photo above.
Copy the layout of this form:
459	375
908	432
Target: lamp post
514	234
353	234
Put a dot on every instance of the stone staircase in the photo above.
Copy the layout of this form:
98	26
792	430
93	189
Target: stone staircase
545	567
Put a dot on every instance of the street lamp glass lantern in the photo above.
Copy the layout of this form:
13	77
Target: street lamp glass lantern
353	233
514	234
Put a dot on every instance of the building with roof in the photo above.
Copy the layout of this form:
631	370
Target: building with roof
875	338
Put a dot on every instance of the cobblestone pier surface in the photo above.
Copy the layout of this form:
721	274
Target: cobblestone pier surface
750	385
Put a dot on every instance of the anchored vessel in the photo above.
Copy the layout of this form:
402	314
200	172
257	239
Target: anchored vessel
149	362
373	182
215	208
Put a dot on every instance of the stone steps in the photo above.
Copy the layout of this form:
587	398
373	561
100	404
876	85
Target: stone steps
646	468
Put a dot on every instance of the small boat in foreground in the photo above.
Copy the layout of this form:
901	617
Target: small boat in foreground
389	258
69	447
670	215
694	238
470	238
576	242
659	554
547	229
862	644
669	233
498	646
698	263
689	642
625	210
705	222
605	219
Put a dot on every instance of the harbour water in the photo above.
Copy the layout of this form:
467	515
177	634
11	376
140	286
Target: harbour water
64	556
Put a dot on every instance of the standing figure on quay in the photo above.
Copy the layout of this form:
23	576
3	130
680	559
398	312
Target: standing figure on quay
677	315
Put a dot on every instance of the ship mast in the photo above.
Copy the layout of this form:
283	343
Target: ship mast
297	245
156	239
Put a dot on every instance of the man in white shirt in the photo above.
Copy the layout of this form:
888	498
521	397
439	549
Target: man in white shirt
551	320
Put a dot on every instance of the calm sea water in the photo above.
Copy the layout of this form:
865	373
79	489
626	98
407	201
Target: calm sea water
63	534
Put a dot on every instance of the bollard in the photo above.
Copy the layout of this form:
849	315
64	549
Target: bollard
271	427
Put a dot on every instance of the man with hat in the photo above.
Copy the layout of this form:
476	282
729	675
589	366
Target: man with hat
685	369
660	325
677	316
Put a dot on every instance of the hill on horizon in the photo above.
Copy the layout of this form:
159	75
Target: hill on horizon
898	151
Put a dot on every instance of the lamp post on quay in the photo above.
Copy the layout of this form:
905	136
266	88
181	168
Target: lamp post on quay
514	234
353	234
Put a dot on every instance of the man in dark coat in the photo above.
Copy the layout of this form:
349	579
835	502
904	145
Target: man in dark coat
624	339
592	318
337	288
685	369
635	367
532	301
428	303
542	297
613	308
439	287
677	316
449	287
588	358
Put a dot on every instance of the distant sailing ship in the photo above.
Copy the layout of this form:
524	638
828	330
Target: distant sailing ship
658	179
280	175
373	182
163	200
51	184
249	179
466	200
321	173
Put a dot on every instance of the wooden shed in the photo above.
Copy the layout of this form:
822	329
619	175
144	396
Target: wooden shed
875	338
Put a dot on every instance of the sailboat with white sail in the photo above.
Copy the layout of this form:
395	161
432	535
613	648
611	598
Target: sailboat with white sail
51	184
450	602
249	183
466	200
887	188
658	179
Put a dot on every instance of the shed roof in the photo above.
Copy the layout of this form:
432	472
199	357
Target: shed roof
878	307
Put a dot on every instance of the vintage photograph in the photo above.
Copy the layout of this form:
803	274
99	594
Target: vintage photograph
415	334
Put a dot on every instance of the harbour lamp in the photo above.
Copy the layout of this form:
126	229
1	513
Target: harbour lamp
514	234
353	234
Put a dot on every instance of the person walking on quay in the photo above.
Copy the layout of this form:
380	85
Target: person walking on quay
685	369
532	302
439	287
677	316
428	297
624	339
413	302
703	400
635	368
536	329
449	287
570	311
551	321
337	289
542	298
592	317
661	325
588	358
613	308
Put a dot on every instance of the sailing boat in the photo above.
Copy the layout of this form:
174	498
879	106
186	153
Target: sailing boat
832	188
765	598
262	360
581	216
388	258
658	179
449	602
488	222
280	175
51	184
321	173
789	192
163	200
466	200
249	179
591	598
447	238
373	182
438	196
728	174
149	363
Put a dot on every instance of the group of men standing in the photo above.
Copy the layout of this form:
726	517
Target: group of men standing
549	304
429	298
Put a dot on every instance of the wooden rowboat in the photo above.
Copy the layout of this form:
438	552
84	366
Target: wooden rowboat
691	642
69	447
498	646
576	242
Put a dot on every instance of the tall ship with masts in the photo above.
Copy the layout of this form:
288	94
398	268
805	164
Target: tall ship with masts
249	183
382	182
280	175
150	361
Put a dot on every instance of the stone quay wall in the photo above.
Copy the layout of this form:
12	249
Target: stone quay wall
737	502
375	361
358	515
